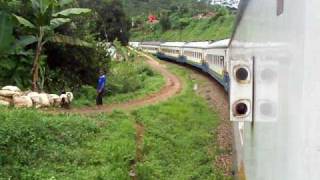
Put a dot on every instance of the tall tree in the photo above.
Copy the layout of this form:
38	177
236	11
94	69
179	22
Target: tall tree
112	21
42	28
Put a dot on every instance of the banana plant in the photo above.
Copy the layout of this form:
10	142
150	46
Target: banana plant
42	28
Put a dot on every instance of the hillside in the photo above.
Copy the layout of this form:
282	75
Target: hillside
139	7
188	21
197	30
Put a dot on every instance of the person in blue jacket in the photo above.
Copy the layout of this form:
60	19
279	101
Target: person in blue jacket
101	88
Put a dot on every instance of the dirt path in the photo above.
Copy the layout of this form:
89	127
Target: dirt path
139	150
172	87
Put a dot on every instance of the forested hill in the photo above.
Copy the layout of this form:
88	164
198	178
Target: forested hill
138	7
179	20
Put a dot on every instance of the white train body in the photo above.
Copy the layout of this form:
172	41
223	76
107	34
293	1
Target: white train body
216	57
277	134
150	47
172	49
194	52
134	44
281	39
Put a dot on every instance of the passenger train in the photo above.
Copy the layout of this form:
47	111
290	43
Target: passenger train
271	70
211	57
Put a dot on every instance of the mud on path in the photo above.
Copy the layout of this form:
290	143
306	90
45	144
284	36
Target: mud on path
140	129
217	99
172	87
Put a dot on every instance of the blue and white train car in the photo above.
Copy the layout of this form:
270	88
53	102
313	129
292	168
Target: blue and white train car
134	44
193	53
216	61
152	47
171	50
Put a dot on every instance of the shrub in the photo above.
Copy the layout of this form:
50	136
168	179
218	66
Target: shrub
127	77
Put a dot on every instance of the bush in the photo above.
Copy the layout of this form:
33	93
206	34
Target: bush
127	77
87	92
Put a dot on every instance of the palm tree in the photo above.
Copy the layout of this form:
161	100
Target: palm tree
42	28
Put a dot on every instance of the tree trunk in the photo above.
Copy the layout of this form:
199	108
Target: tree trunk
36	61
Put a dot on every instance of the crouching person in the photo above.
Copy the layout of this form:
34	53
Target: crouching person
101	88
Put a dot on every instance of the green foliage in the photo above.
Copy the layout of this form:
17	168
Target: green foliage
138	7
111	20
6	30
16	70
127	77
34	145
165	22
75	66
119	84
85	96
181	23
196	30
178	139
46	18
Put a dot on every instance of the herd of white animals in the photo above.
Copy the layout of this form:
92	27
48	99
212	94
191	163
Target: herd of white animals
13	96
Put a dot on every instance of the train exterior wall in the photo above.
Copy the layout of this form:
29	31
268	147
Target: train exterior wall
283	141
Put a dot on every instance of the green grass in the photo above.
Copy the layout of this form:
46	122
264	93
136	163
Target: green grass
197	30
34	145
179	139
179	142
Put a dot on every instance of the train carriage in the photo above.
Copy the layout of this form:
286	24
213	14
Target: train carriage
134	44
216	61
171	50
150	47
193	53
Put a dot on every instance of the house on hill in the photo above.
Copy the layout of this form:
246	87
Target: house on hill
152	19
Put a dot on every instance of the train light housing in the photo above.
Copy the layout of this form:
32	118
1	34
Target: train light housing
241	90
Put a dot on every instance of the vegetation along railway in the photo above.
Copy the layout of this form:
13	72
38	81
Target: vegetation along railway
268	69
270	72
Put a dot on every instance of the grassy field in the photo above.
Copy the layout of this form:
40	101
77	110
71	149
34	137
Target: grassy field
197	30
178	142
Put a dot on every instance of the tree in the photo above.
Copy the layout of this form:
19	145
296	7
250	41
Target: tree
42	28
6	28
112	22
165	22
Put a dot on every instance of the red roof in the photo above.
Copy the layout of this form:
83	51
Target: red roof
152	18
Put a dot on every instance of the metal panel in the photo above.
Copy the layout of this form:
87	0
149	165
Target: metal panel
283	143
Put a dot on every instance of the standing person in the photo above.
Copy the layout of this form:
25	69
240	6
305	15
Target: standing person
101	88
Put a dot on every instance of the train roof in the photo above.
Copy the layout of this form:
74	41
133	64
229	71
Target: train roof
200	44
173	44
151	43
219	44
